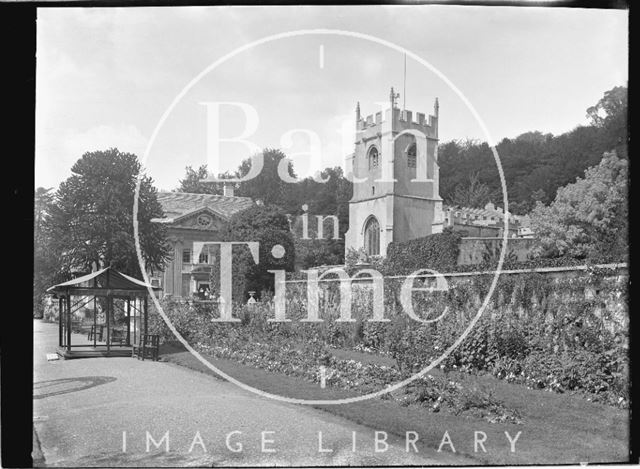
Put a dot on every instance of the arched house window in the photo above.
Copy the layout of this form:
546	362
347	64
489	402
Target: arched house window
372	237
373	157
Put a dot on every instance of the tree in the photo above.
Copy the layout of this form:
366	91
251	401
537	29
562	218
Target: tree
474	194
191	182
44	259
610	114
267	186
91	220
611	107
330	198
535	161
587	219
534	137
42	199
312	251
267	225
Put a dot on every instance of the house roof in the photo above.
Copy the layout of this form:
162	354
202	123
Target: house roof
488	211
178	204
105	279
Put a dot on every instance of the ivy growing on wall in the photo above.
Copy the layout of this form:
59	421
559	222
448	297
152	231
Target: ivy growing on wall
438	252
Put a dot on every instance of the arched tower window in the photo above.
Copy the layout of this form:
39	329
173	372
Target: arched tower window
411	155
372	237
373	157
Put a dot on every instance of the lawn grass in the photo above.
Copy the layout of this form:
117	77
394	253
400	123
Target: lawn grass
556	428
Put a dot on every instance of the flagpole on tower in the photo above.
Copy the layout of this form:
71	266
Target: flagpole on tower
404	90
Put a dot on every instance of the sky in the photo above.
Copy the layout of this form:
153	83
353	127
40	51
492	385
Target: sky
105	77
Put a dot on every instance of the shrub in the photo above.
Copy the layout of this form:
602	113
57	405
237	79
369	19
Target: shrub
268	226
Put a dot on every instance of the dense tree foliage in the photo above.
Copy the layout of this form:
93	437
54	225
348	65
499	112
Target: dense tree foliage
589	218
610	113
267	186
324	199
267	225
45	261
535	165
474	194
91	218
192	182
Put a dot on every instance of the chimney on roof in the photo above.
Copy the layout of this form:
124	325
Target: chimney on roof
227	189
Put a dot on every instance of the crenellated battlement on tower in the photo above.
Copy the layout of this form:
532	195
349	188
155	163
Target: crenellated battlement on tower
400	120
396	195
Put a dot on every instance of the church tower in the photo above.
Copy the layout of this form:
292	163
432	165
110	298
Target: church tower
395	179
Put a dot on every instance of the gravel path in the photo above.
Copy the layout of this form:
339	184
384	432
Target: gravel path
82	408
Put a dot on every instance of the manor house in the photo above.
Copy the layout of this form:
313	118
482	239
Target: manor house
193	218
